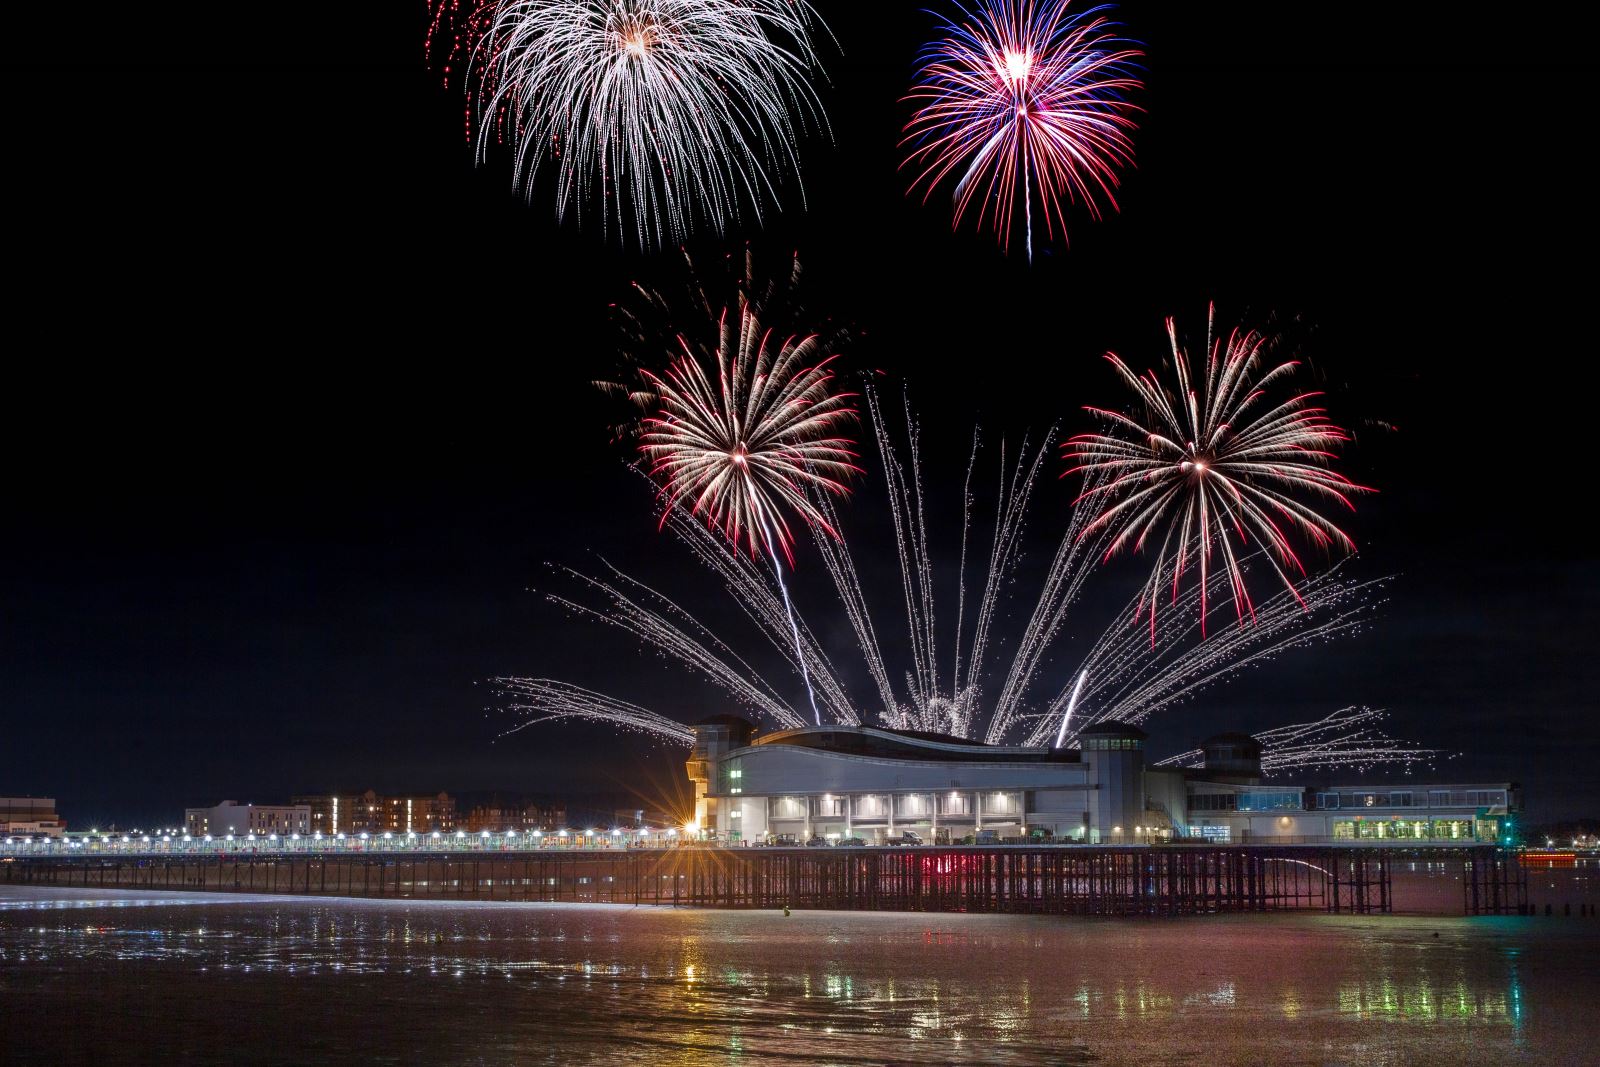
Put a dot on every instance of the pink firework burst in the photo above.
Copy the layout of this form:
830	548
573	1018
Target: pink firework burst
1212	467
747	435
743	434
1024	94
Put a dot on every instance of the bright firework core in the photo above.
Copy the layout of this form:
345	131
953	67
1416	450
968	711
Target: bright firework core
635	39
1017	65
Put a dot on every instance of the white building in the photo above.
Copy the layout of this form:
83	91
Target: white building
231	817
30	817
834	783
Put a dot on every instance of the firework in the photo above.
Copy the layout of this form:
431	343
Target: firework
1118	675
746	435
1024	101
655	115
1211	470
1347	738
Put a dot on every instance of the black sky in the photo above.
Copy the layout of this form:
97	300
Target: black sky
296	406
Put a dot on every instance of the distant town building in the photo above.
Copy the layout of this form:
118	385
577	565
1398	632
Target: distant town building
497	816
30	817
231	817
840	782
373	813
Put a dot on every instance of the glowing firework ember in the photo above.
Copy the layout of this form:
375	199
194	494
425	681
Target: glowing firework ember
747	434
654	114
1212	470
1024	101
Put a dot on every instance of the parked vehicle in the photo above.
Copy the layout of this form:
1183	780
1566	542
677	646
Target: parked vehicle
907	838
817	842
851	842
784	841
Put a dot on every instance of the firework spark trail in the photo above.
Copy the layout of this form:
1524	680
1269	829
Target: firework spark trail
918	597
1132	681
841	567
664	113
924	559
961	562
785	628
1005	550
706	653
1283	623
1208	468
1024	89
548	700
1348	737
1072	704
1073	563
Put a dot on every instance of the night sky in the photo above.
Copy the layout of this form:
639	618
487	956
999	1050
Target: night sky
296	406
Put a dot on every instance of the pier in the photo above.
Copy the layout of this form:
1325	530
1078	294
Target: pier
1084	880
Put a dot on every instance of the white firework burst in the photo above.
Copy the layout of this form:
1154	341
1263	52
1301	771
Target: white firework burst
655	115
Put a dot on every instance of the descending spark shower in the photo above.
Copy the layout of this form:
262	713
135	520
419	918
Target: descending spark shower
655	115
964	680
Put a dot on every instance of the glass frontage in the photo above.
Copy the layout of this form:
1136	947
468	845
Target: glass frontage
1277	801
1411	830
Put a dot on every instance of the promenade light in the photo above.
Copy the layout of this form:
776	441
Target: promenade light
341	837
616	833
387	836
124	839
294	837
186	837
436	835
147	839
272	837
317	836
9	841
537	833
461	833
229	837
363	835
485	835
208	837
563	833
511	833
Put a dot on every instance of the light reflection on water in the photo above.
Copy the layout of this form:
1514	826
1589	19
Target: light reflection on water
273	979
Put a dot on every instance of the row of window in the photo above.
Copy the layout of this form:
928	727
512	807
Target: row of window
876	806
1415	829
1435	798
1273	801
1112	744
